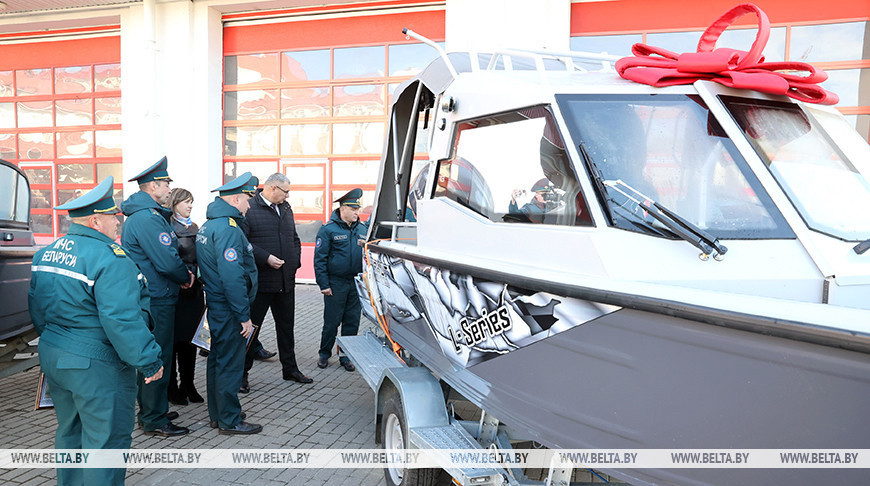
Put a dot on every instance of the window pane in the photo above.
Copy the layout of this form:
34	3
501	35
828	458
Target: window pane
107	77
38	176
309	202
308	139
109	143
358	138
355	62
63	223
304	175
40	198
8	181
260	169
307	230
359	100
36	146
675	41
846	84
617	45
305	102
355	172
6	84
828	191
75	144
65	195
74	174
7	115
410	59
528	181
825	43
671	150
22	209
34	114
118	197
743	38
260	104
74	112
251	140
41	223
72	80
107	111
251	68
304	65
33	82
7	146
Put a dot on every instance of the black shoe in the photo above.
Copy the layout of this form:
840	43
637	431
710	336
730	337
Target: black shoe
192	395
347	365
263	355
245	388
177	397
214	425
297	376
203	353
171	415
322	363
242	428
168	430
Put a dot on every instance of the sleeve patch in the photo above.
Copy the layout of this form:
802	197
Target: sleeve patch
317	245
165	239
231	255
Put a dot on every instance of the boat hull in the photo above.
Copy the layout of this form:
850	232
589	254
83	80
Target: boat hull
632	379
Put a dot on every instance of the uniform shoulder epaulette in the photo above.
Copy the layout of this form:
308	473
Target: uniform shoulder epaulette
154	212
233	223
117	250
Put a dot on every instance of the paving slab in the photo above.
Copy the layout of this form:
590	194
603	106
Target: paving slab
336	411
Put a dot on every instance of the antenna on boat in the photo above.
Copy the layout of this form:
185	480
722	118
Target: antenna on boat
432	44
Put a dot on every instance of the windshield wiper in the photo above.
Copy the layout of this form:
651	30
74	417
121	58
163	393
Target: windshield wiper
700	239
860	248
598	179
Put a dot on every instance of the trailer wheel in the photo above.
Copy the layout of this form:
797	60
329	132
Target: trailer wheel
395	438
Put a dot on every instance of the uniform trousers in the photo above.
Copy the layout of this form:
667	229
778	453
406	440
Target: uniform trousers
226	363
283	306
95	405
342	308
153	400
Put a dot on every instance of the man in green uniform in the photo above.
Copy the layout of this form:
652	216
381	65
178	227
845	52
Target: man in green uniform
229	274
151	243
89	304
337	260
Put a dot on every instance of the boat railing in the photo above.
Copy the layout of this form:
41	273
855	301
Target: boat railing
404	232
547	60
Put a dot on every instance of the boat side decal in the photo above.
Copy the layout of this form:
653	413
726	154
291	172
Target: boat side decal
472	319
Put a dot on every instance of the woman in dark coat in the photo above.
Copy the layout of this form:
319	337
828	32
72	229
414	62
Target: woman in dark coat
191	303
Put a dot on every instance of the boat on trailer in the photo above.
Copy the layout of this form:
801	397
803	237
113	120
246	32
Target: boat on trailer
597	263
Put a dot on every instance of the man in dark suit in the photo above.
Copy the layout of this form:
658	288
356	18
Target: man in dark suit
270	228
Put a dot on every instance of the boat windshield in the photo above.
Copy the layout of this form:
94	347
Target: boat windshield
820	177
671	149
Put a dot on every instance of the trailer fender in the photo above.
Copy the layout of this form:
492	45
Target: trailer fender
421	395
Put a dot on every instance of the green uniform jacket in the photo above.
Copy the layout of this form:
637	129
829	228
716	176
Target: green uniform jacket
152	244
88	298
336	253
226	260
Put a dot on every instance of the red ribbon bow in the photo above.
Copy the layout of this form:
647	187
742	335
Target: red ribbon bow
733	68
